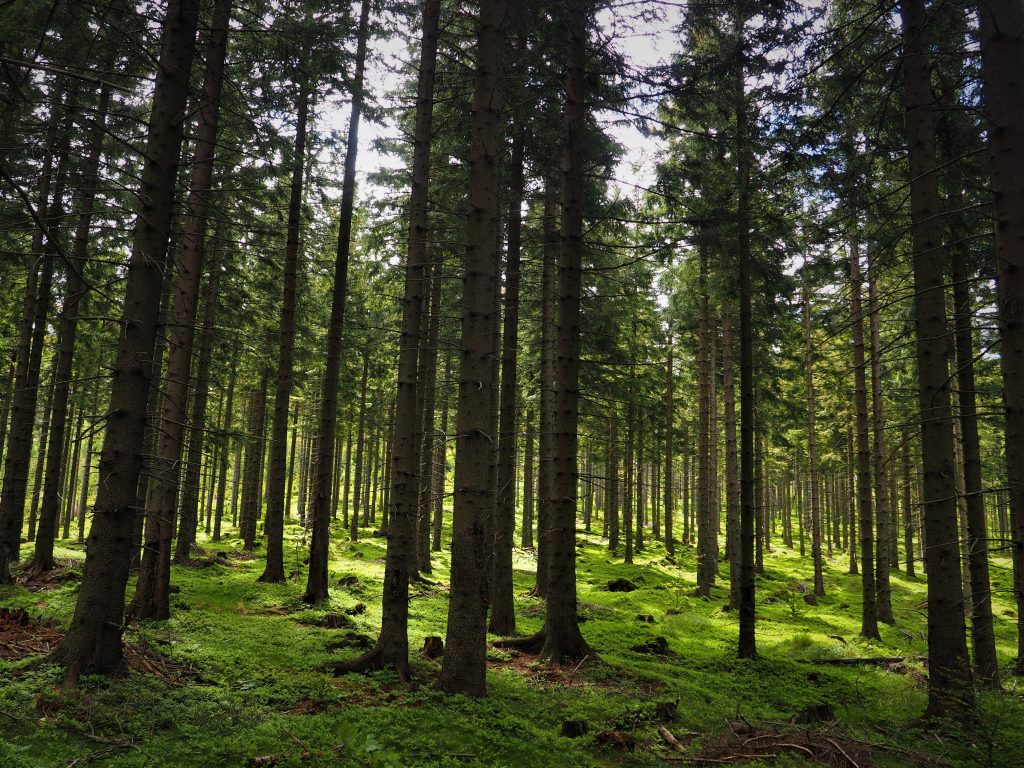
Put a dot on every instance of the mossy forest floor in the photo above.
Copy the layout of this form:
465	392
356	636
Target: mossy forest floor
235	677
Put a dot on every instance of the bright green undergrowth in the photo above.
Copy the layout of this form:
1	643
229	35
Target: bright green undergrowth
260	691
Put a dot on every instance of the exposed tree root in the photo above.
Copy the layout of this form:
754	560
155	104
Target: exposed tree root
373	660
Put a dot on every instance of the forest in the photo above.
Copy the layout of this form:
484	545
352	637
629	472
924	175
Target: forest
511	383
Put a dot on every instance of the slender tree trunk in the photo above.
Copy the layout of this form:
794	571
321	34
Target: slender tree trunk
950	689
251	502
392	648
316	585
732	475
549	332
627	479
705	481
908	508
45	246
883	590
503	617
440	462
528	482
357	480
869	612
274	526
74	296
42	443
669	501
197	428
226	440
93	640
812	446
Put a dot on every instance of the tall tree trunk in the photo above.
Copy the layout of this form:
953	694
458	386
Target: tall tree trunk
74	295
226	440
316	583
812	445
950	689
278	460
883	590
869	610
35	311
441	461
197	423
392	648
670	421
359	471
1002	50
93	640
152	595
503	617
705	480
464	666
747	641
549	332
732	474
526	532
983	639
562	640
251	495
908	508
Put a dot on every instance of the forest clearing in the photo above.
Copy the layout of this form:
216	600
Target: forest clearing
489	383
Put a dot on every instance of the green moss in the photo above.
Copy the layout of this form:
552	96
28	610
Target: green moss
259	653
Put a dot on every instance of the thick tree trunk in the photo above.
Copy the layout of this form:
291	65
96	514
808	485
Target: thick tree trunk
1002	49
93	640
464	666
562	638
950	691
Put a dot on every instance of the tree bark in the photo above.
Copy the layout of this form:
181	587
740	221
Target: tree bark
464	666
278	459
883	589
869	610
74	295
1002	50
950	691
812	445
549	332
392	647
93	640
503	617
